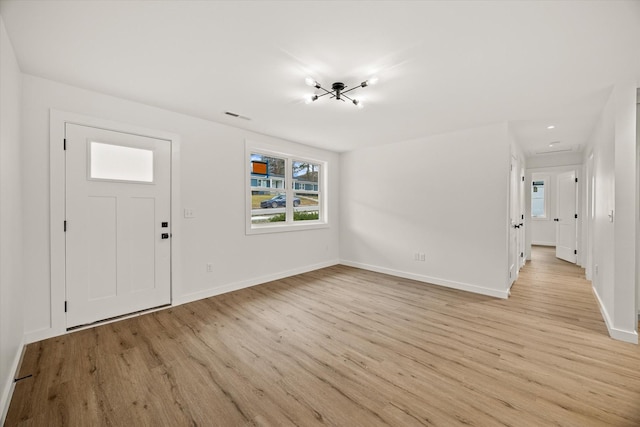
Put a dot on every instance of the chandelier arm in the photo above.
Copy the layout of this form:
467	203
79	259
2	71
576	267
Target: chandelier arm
353	88
327	92
350	99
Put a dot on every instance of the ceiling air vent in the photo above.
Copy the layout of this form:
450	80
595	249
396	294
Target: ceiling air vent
236	115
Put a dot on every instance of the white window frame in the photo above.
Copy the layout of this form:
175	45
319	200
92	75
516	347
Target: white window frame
289	224
546	180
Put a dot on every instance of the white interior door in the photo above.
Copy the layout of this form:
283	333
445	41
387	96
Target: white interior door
117	223
566	217
514	221
521	229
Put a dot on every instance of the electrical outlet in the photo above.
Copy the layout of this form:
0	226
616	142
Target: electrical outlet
423	257
189	213
416	256
596	269
209	267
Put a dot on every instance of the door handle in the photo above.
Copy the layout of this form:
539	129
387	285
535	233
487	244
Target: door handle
556	219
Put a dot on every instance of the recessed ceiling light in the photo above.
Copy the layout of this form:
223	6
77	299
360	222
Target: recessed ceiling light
551	127
551	144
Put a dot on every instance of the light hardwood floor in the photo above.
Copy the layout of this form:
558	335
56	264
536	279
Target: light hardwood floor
345	347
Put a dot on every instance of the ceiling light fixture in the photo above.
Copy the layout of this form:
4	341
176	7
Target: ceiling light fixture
337	91
551	127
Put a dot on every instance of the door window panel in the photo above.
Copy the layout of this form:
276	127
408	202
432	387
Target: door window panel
120	163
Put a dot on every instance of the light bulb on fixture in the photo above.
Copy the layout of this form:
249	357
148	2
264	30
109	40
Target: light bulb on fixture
311	82
370	82
310	98
358	103
551	127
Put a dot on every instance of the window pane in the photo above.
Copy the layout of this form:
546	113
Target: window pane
305	184
267	207
537	200
268	199
306	207
275	169
116	162
305	176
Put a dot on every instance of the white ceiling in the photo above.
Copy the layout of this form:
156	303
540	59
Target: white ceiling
442	65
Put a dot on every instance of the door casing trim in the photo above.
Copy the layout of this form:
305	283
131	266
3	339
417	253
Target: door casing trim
57	121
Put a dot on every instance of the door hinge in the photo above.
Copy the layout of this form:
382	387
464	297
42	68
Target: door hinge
521	216
521	254
576	179
64	144
65	226
576	216
523	179
65	306
575	252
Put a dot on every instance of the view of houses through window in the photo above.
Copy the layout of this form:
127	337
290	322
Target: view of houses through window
284	190
538	200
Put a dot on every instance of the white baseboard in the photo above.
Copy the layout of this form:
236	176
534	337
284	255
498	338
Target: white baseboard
432	280
618	334
249	283
42	334
10	385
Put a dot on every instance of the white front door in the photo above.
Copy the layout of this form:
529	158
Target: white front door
566	218
118	199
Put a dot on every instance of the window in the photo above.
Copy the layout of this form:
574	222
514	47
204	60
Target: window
538	199
285	192
306	203
120	163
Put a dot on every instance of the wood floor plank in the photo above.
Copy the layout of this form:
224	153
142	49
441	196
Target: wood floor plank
345	347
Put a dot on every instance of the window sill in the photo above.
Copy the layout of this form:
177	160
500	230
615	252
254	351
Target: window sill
279	228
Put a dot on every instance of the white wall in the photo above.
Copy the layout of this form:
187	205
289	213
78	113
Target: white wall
544	161
11	294
212	183
445	196
613	145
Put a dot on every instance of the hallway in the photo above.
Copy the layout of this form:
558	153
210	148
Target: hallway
557	291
